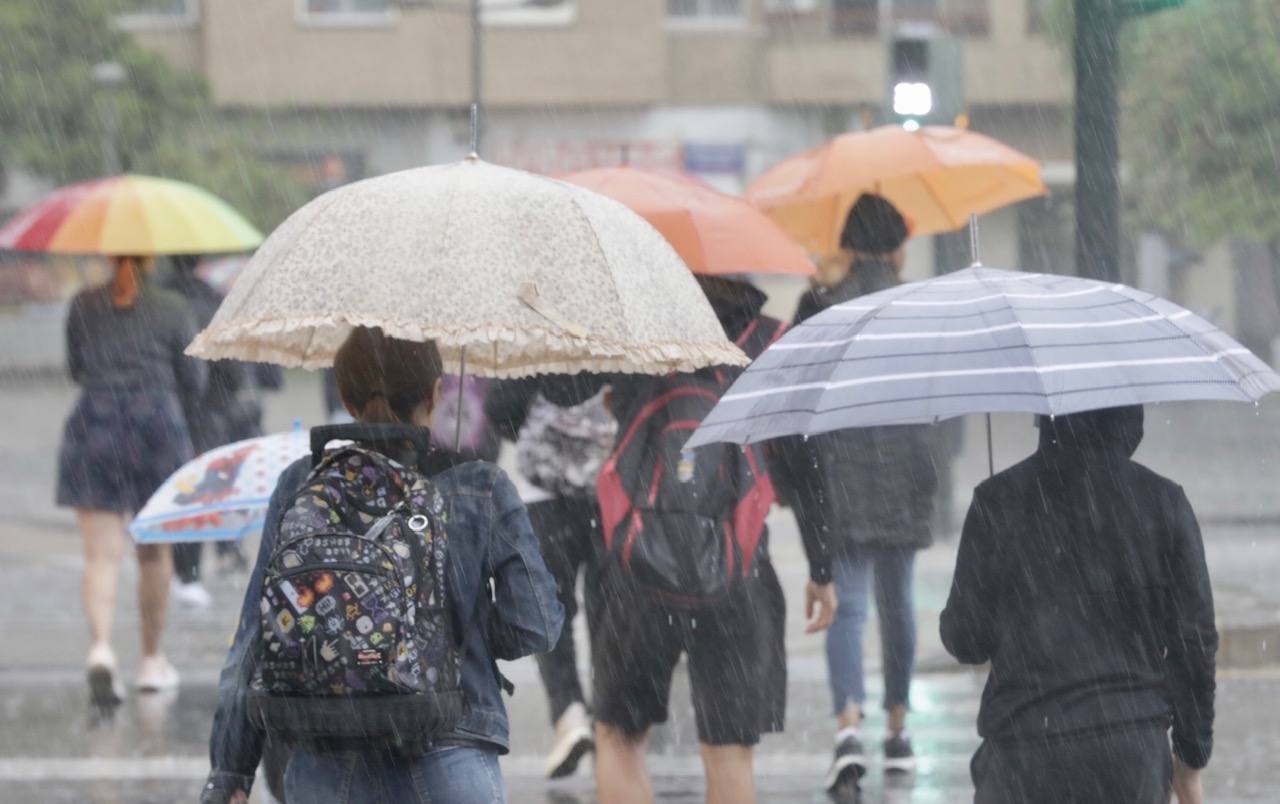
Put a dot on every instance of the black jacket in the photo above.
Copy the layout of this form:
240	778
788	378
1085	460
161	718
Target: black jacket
219	413
861	485
1081	578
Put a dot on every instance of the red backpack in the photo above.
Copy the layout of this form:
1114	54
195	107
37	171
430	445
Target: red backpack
684	524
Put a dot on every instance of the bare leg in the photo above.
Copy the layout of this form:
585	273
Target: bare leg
898	719
851	717
155	571
621	774
104	539
730	773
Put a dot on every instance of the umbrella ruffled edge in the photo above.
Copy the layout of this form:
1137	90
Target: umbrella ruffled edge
530	350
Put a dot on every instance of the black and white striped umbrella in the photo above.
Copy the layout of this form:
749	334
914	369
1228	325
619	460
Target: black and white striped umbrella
982	340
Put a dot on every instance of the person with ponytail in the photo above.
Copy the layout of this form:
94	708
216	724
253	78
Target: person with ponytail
125	349
500	597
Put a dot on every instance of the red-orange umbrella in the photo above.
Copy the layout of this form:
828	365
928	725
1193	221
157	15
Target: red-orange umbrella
713	233
937	177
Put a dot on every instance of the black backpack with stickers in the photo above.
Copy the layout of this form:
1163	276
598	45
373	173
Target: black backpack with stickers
357	636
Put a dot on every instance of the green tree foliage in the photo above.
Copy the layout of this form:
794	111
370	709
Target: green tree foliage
1201	119
52	112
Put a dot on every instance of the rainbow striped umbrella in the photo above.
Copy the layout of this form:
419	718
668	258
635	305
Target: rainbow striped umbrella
130	215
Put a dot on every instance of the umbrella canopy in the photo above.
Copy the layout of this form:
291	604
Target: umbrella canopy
527	274
713	233
130	216
982	341
222	494
937	177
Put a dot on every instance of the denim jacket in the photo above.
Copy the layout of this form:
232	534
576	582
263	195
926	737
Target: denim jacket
490	538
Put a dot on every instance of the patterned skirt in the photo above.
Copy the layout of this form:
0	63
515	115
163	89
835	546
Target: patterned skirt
118	446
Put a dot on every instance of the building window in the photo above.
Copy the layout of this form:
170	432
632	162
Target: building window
149	14
344	13
917	10
532	13
709	13
1037	16
966	17
855	17
791	6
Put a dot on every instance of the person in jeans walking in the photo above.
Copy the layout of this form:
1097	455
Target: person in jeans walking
866	494
1081	578
503	604
559	451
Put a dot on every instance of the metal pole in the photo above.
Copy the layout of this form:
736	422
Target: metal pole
110	127
1097	211
462	378
110	76
477	76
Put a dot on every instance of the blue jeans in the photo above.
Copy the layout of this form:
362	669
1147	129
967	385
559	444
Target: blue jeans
448	775
853	572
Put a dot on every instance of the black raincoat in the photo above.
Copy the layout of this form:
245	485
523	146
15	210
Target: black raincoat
1081	577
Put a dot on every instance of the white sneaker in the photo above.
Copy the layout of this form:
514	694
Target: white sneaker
191	595
155	674
104	686
573	742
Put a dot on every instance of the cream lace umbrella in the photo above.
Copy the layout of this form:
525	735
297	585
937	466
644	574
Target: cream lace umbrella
511	274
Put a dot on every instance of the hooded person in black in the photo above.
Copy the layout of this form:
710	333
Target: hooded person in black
1081	578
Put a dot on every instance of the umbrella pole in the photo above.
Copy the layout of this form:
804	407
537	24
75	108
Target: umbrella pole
462	377
991	450
973	239
977	260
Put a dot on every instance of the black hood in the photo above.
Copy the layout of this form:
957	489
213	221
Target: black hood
1116	431
735	303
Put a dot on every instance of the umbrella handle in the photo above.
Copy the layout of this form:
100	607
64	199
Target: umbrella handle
991	451
462	376
973	241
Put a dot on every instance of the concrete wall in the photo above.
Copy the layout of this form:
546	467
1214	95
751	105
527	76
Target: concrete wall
608	53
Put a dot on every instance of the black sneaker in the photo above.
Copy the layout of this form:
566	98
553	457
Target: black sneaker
849	764
898	756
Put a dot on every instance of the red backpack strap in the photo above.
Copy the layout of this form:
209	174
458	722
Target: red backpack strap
747	333
752	509
611	488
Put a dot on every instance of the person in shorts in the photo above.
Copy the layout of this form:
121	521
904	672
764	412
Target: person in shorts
735	646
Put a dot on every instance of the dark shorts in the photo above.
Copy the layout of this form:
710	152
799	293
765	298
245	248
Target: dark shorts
736	655
1133	765
118	447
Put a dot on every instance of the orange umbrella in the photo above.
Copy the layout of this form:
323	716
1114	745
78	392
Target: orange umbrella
937	177
712	232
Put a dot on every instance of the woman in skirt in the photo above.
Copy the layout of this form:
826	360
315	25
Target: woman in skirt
125	436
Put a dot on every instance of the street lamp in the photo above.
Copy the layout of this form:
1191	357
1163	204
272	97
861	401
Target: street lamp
110	76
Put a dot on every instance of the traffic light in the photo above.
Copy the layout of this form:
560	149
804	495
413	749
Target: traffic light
926	78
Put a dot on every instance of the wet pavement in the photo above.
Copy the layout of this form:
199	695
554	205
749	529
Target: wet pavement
154	750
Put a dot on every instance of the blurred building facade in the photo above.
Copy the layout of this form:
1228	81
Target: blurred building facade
720	88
